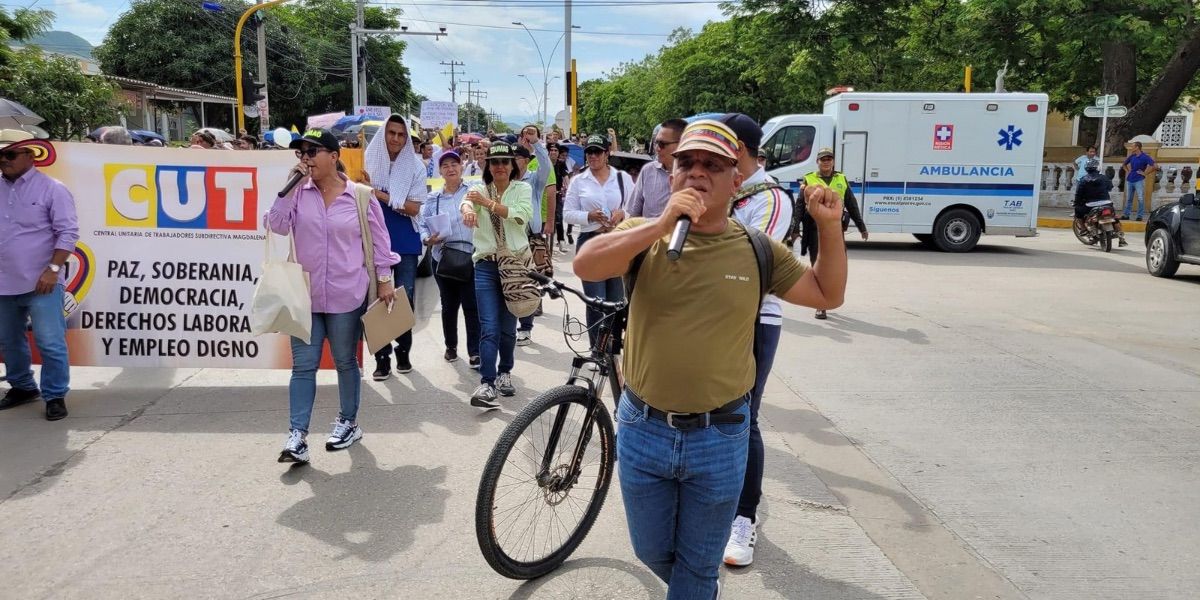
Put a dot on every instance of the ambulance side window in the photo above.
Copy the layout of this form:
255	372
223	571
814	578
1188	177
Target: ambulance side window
790	145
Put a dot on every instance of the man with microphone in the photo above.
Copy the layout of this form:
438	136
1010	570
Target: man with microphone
684	417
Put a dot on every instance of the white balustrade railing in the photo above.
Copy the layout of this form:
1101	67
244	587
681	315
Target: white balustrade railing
1171	181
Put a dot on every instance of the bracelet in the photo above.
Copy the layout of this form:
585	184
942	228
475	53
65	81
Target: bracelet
493	206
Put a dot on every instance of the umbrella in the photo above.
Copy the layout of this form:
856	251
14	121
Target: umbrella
14	114
469	138
221	135
707	115
347	121
146	136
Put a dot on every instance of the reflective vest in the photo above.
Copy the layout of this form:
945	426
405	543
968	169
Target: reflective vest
837	184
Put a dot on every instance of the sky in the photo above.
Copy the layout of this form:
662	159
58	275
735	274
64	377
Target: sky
495	55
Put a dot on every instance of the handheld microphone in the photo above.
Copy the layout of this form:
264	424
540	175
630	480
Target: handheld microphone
287	189
675	248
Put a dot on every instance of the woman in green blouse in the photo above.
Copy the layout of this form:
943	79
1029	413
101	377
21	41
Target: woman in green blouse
501	201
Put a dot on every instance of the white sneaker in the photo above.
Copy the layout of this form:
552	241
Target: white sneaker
295	450
344	434
524	338
739	550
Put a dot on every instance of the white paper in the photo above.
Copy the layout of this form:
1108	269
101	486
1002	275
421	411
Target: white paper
439	225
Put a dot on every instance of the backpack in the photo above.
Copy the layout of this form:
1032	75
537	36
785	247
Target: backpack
763	256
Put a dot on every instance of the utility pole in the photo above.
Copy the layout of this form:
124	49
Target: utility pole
567	70
469	94
478	95
453	77
264	118
358	84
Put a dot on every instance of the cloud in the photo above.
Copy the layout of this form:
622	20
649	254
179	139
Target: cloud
77	10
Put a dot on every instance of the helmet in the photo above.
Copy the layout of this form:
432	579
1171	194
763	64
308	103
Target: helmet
1092	166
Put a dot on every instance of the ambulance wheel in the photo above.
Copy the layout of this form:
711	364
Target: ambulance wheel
956	231
926	239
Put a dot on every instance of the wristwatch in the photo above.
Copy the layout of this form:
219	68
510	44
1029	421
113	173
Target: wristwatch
54	268
385	279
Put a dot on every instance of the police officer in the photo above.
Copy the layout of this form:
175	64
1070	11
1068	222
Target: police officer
826	176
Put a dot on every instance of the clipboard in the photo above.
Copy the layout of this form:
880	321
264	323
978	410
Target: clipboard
381	327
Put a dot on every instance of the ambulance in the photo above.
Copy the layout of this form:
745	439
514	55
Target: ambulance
944	167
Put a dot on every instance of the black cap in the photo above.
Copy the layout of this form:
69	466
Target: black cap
317	137
500	150
596	141
521	152
747	130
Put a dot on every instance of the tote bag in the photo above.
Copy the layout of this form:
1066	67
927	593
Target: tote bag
282	302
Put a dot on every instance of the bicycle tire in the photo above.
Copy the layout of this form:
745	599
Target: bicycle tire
485	518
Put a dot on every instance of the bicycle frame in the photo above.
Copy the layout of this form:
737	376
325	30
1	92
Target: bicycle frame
608	344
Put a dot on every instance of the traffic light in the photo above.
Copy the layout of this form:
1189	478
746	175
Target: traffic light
250	89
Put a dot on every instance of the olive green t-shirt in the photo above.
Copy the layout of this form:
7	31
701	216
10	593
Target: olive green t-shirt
690	339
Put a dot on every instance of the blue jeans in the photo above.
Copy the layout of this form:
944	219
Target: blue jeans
610	289
344	332
497	326
1140	188
681	492
405	274
50	335
766	342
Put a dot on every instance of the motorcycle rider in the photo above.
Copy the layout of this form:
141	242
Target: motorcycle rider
1092	187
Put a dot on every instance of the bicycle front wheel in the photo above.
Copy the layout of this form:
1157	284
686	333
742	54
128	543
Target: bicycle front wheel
536	502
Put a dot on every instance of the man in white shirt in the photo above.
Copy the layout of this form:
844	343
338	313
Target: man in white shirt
1081	163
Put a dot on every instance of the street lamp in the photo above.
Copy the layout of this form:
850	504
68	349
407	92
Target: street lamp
537	99
545	68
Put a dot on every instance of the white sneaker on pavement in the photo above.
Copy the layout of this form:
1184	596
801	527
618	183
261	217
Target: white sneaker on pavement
739	550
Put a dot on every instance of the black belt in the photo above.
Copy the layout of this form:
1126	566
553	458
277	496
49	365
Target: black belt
688	421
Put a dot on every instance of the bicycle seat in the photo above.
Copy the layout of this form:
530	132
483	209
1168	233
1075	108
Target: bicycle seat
1099	203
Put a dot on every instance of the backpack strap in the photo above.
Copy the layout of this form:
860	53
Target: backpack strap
745	193
764	256
621	186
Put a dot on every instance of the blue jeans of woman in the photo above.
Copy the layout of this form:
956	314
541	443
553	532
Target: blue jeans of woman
405	275
344	332
45	312
766	342
497	326
681	493
610	289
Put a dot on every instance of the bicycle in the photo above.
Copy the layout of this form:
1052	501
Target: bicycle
555	455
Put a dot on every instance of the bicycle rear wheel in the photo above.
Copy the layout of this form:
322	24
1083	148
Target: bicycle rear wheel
529	519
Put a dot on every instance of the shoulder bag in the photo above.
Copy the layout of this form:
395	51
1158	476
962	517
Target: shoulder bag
520	296
455	264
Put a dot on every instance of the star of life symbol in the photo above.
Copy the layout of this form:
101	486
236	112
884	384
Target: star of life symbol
1009	137
943	136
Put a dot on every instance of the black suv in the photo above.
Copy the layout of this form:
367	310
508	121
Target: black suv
1173	236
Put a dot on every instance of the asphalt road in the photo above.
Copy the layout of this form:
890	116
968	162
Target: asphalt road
1017	422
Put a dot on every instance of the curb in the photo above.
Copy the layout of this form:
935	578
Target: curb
1060	223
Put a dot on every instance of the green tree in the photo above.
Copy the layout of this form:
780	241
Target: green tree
323	30
22	24
52	86
179	44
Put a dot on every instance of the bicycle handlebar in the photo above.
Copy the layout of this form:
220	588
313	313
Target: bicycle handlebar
548	285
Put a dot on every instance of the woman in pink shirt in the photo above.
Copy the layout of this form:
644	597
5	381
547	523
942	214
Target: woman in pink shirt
321	213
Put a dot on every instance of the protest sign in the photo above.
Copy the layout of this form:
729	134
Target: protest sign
376	113
435	114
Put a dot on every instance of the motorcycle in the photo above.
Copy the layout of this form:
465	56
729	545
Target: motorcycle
1098	226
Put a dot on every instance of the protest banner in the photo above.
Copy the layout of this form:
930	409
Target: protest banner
324	121
436	114
171	246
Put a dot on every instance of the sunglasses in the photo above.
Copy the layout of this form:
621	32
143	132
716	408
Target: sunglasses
310	153
13	154
663	145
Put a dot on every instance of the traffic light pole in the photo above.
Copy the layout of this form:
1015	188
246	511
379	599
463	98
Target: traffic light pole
264	119
237	56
